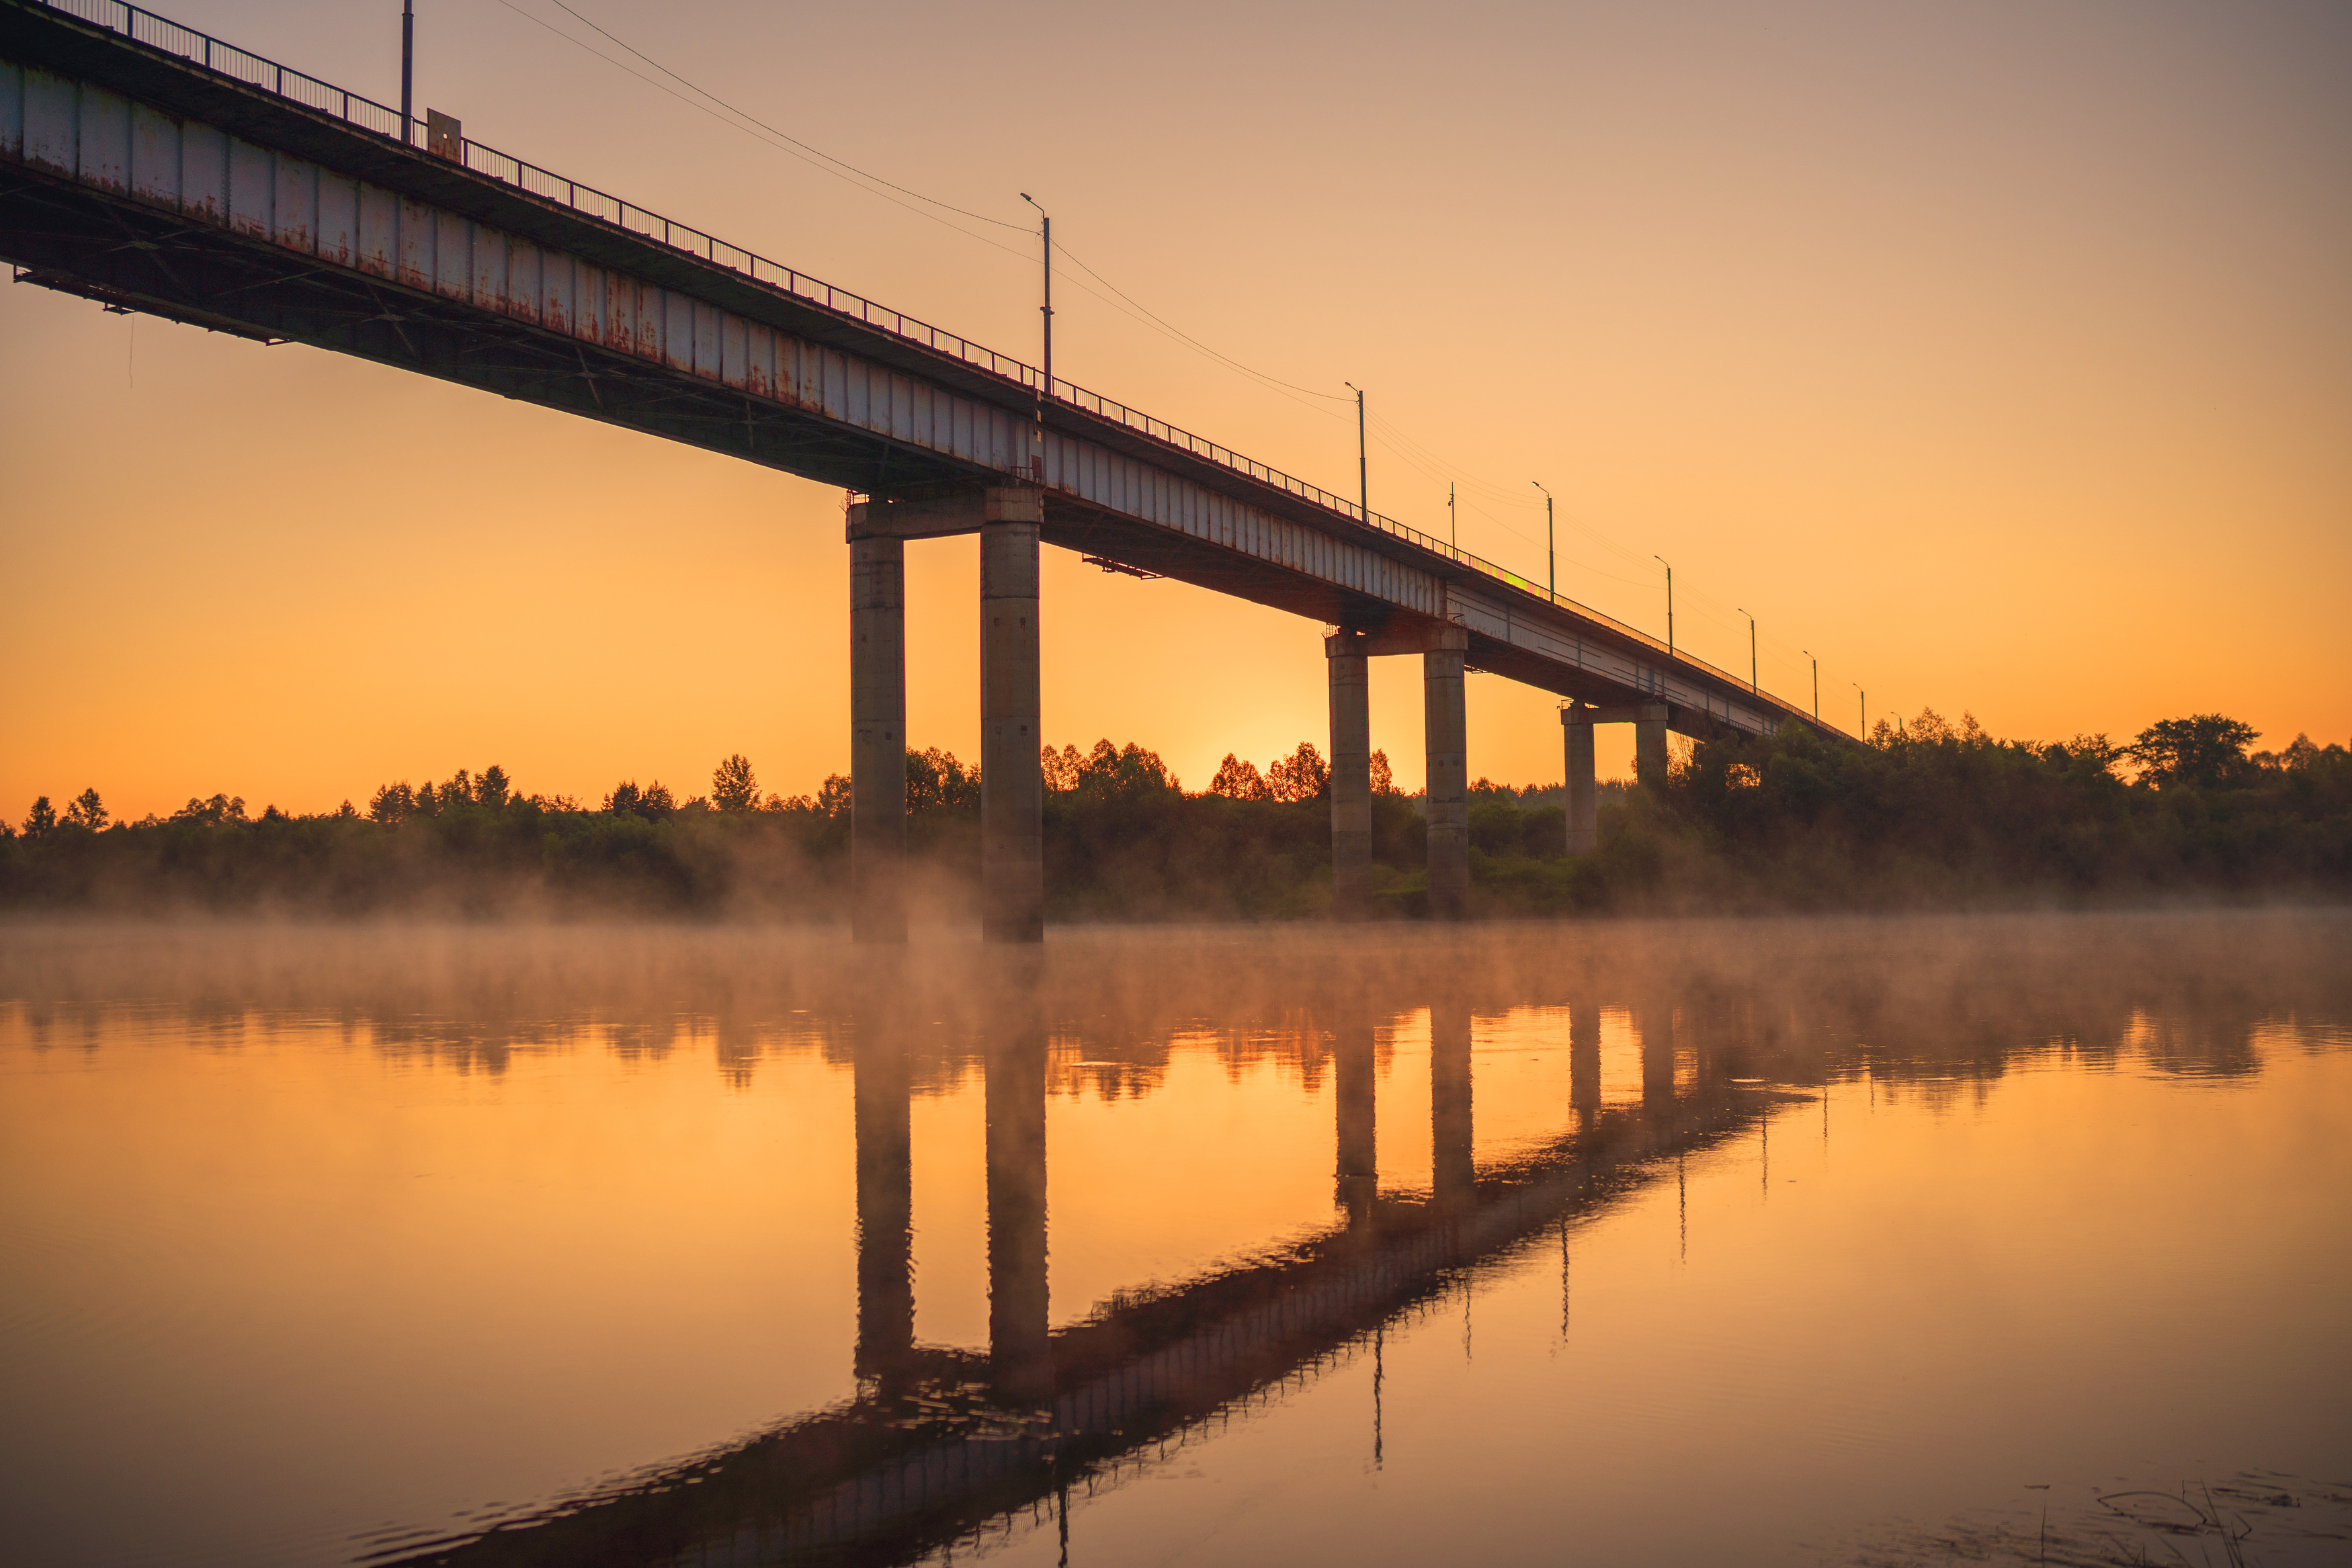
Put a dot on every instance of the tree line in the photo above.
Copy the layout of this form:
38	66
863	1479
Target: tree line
1929	813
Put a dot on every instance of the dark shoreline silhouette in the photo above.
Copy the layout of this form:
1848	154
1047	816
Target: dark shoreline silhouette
1929	816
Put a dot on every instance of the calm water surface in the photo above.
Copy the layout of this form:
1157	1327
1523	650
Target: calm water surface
2003	1240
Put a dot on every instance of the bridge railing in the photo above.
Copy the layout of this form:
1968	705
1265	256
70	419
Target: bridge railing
145	27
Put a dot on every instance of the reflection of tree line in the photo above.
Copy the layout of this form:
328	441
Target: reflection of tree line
1932	1000
1928	814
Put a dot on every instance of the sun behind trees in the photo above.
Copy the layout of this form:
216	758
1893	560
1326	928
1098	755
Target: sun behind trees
1930	814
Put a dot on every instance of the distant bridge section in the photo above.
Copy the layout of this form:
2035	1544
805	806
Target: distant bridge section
153	168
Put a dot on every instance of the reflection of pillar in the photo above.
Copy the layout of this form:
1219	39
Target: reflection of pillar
1584	1054
1444	720
1351	775
1583	809
1012	789
1650	744
1656	1023
1018	1358
1357	1080
877	738
1451	1169
886	1281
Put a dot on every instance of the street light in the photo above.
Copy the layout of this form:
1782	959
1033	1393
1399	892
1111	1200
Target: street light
1753	689
1808	652
407	71
1551	561
1363	482
1453	529
1865	707
1048	307
1662	561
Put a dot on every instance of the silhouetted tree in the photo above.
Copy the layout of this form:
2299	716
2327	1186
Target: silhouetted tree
1238	780
1383	780
732	787
214	812
392	804
41	820
494	789
88	811
1301	775
2207	750
936	780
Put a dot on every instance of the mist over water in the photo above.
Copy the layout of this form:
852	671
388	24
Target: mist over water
1832	1240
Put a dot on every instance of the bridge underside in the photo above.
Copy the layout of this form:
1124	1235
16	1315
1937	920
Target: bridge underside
131	255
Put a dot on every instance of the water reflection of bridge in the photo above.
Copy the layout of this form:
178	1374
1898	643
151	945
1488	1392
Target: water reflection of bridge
941	1442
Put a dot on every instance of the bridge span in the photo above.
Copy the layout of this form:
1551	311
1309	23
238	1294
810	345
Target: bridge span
153	168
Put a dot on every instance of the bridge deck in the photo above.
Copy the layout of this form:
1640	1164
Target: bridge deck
154	169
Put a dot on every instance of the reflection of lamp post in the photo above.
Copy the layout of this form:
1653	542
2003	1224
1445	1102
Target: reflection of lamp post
1551	561
1808	652
1753	689
1662	561
1865	707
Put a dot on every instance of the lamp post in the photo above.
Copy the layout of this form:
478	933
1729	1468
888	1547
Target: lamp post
1754	690
1363	482
1865	697
1662	561
1808	652
1453	529
407	70
1551	559
1046	220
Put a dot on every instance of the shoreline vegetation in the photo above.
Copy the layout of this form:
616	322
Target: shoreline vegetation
1930	815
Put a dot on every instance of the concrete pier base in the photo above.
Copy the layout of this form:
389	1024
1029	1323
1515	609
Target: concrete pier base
877	739
1583	808
1351	775
1444	722
1011	787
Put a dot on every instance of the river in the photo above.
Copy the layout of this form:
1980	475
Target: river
1998	1239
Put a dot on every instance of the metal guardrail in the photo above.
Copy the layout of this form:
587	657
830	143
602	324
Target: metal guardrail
145	26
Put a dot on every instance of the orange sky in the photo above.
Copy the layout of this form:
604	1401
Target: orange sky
1999	354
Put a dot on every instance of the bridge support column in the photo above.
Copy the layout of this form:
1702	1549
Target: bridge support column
1012	789
1357	1086
886	1281
877	739
1351	775
1650	744
1583	812
1454	1169
1444	720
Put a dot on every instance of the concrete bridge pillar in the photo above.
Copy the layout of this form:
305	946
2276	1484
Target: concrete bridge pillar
877	739
1444	722
1357	1086
1351	775
1019	1349
1011	787
885	1280
1583	810
1453	1167
1650	744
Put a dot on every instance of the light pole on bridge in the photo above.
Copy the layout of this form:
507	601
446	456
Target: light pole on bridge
407	71
1552	559
1754	690
1364	481
1808	652
1046	393
1865	697
1662	561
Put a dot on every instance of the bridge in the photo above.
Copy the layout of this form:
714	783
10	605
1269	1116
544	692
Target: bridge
942	1444
154	169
